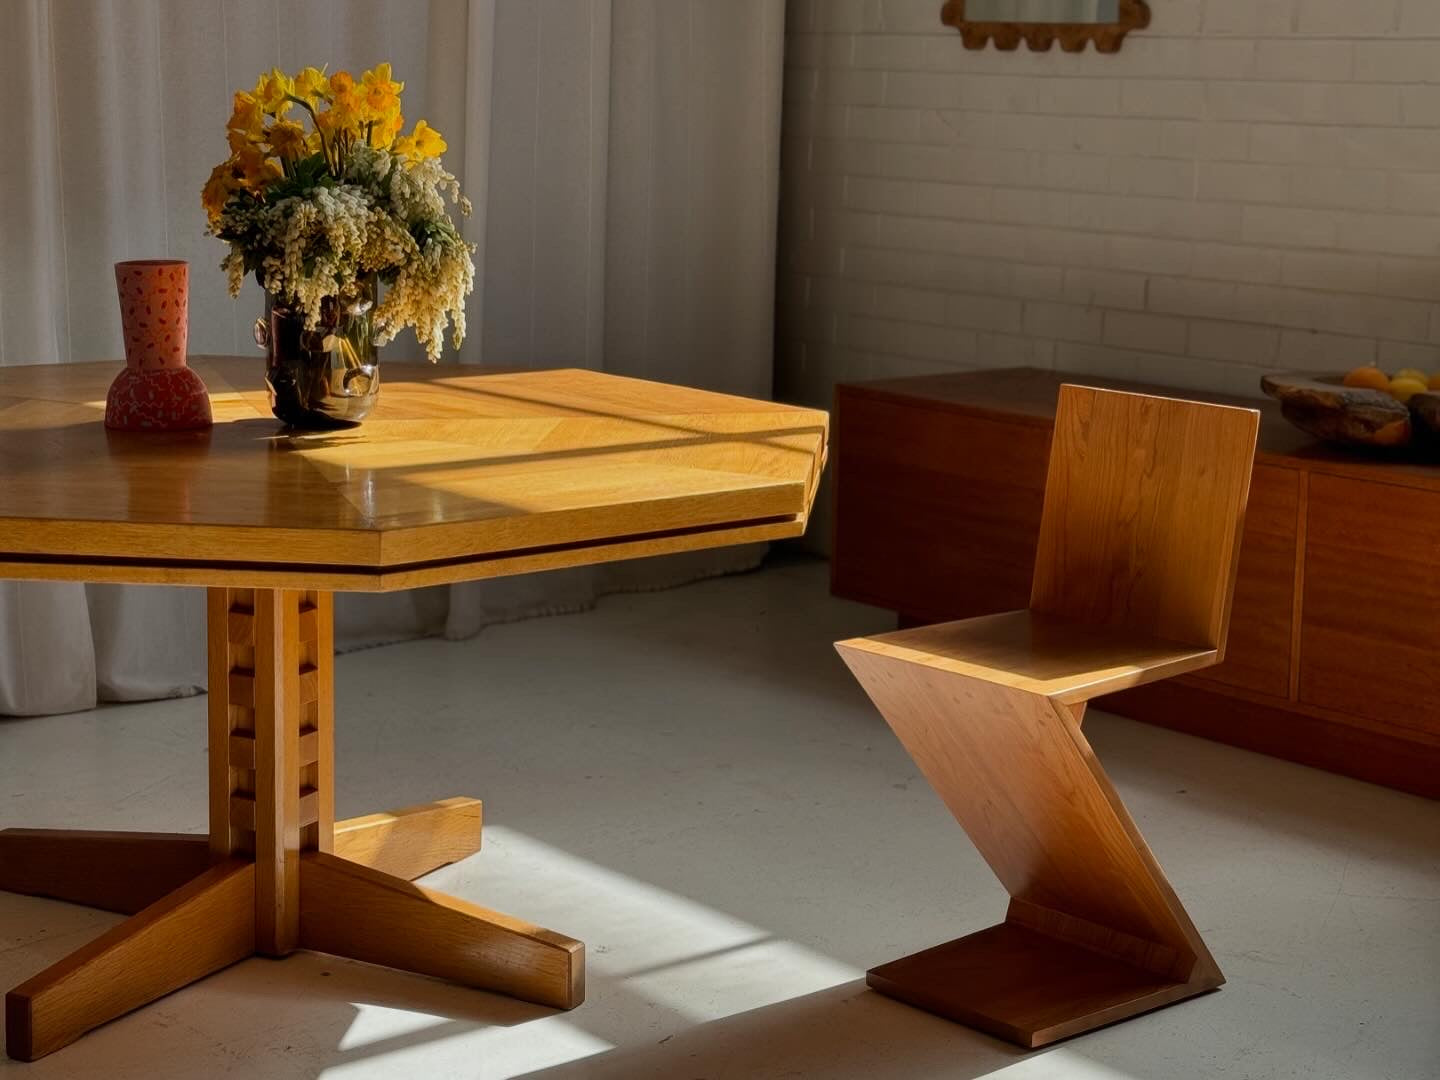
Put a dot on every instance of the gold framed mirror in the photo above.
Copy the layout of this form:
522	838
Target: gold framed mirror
1041	23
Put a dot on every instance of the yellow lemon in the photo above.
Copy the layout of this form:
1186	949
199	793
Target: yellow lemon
1402	390
1412	373
1369	377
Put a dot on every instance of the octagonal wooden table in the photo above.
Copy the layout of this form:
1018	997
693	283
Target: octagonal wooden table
458	475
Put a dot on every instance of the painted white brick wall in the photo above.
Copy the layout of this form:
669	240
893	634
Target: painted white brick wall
1248	185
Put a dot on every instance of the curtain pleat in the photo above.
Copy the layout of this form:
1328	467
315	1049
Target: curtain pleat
622	156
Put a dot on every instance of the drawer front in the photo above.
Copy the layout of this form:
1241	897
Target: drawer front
1257	655
937	513
1370	633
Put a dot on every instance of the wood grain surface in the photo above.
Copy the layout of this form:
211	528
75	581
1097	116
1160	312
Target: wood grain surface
205	925
1041	654
365	914
1144	503
546	468
1137	556
113	871
412	842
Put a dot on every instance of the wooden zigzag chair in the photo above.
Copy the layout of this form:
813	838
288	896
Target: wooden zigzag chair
1144	504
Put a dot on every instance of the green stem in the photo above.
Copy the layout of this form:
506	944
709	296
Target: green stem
332	162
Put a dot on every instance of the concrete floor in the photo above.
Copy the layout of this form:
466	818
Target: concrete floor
690	783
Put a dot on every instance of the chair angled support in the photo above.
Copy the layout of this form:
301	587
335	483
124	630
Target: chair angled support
1144	505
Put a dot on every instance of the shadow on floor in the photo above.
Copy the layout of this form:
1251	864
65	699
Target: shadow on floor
844	1032
301	1016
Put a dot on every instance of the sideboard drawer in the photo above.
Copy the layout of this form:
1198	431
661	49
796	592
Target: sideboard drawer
1257	656
939	511
1372	602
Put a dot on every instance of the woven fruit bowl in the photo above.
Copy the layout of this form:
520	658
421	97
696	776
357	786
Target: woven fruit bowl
1362	408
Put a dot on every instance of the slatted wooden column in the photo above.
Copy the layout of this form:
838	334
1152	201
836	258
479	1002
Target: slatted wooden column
271	742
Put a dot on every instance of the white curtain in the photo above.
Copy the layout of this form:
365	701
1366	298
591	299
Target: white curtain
622	156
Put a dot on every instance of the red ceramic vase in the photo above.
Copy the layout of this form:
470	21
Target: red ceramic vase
156	391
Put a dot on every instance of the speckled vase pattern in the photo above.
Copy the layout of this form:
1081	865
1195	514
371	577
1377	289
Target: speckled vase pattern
157	391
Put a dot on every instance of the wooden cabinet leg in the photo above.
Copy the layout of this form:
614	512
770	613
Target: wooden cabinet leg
351	910
196	930
113	871
410	843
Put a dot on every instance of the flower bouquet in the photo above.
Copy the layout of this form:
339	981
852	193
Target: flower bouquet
328	214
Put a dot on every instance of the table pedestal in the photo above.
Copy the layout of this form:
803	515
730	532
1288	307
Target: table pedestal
277	872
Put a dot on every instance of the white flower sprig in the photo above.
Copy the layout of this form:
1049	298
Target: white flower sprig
312	223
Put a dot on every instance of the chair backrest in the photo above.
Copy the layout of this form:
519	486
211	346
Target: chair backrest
1144	505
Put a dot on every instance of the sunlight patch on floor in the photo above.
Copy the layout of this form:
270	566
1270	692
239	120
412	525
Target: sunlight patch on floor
689	959
421	1049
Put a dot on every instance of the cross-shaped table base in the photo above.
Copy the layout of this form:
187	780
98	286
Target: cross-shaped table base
277	872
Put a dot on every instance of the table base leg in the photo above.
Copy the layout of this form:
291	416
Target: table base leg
191	918
113	871
203	926
307	882
354	911
410	843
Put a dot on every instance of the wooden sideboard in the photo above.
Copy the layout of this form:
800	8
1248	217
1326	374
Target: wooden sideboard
1334	651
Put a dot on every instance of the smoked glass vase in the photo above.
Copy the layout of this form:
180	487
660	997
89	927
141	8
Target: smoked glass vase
328	377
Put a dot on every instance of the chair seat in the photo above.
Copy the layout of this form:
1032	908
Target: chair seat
1040	654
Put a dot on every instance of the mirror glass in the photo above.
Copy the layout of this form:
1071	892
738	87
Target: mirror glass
1042	11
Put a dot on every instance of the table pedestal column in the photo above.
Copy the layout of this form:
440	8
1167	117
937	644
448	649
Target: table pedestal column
277	872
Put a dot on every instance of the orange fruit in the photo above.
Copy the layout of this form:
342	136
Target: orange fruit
1435	382
1402	390
1368	377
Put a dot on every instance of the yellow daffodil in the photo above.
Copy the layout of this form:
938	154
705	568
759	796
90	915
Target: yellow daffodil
344	111
379	76
218	189
256	168
428	142
247	115
379	106
245	122
286	138
273	92
312	84
383	132
379	95
238	139
337	120
424	142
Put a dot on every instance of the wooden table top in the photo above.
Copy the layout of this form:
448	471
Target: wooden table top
458	474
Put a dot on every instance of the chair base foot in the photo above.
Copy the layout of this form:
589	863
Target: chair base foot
1027	987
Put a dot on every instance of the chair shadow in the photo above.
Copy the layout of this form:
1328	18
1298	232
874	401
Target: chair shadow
838	1033
847	1031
